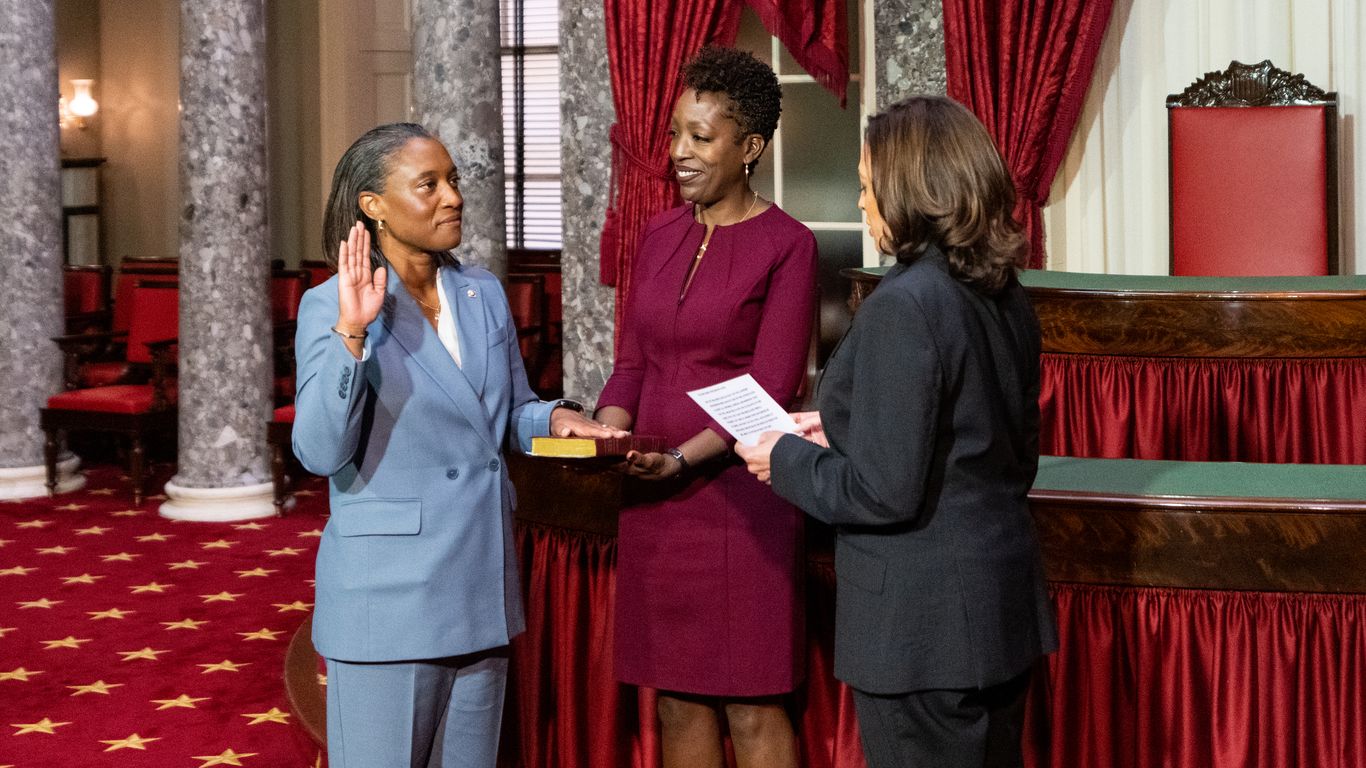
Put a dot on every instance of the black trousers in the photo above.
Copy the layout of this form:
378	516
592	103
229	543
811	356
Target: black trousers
975	728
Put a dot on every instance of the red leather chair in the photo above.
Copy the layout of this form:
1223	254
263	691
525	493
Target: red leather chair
102	360
1253	173
318	271
85	288
134	410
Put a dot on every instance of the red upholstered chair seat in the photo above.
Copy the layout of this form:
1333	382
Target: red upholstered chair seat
121	398
284	413
104	373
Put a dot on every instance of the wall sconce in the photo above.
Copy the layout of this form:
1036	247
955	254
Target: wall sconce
81	106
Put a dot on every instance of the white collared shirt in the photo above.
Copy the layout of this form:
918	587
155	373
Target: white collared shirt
445	325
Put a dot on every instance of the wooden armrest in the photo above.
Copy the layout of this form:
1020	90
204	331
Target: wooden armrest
73	339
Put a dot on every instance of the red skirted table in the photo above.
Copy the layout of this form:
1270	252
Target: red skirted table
1265	369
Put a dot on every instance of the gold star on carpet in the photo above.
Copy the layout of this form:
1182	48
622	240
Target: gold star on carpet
20	674
112	613
257	571
127	513
284	552
294	606
99	686
84	578
182	701
192	565
154	537
217	544
150	586
71	507
132	742
58	550
101	492
42	726
66	642
273	716
183	624
145	653
322	679
222	597
94	530
249	527
223	666
313	534
305	493
262	634
227	757
3	542
122	557
6	630
157	497
17	570
43	603
34	524
311	582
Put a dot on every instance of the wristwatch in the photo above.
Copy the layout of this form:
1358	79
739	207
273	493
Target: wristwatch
572	405
683	464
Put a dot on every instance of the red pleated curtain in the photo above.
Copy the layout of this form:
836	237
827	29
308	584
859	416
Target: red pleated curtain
1023	67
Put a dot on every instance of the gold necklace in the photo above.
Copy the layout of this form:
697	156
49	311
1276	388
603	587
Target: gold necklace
436	311
705	242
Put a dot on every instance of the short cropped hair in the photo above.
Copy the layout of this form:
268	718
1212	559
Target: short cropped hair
752	93
939	180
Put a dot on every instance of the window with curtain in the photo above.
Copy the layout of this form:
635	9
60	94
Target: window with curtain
531	122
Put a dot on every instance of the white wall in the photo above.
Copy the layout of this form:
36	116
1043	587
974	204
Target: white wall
1108	207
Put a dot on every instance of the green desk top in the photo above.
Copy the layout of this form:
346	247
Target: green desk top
1042	278
1133	477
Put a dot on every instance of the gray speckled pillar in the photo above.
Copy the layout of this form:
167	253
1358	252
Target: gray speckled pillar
586	115
225	333
30	239
908	47
458	93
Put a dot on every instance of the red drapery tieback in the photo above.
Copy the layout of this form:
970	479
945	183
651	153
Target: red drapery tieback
1023	67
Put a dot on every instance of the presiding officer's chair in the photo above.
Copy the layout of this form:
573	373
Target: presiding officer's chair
1253	173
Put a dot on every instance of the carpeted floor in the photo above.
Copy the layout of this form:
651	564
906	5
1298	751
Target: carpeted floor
129	640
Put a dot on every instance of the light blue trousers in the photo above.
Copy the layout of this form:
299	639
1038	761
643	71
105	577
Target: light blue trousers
436	713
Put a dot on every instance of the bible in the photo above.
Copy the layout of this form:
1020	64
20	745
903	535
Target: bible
590	447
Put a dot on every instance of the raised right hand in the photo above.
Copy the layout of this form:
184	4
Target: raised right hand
360	289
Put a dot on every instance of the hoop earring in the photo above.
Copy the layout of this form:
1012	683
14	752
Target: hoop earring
379	225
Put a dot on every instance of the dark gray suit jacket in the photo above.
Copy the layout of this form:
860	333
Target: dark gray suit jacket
930	405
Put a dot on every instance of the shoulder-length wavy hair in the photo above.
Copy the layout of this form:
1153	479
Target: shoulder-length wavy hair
363	168
939	180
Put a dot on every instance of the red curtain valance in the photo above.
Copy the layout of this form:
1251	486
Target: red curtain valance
1296	411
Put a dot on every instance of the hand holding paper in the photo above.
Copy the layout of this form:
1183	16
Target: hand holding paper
743	408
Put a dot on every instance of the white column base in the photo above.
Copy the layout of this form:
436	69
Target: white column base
219	505
31	482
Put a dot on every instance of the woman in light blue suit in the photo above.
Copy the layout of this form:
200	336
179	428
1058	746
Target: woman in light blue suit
409	381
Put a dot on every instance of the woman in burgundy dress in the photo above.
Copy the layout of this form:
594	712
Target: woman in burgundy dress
709	604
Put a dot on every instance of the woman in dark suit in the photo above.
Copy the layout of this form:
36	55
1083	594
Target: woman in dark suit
923	451
410	384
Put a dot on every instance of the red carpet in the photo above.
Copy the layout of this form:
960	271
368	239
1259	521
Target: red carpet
129	640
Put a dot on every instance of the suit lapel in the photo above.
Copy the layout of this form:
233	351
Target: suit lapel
467	301
405	323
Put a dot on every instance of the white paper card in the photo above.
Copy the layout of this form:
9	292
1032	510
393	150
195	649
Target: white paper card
743	408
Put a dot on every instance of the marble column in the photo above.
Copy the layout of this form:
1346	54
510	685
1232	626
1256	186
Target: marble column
586	115
908	47
225	333
458	94
30	245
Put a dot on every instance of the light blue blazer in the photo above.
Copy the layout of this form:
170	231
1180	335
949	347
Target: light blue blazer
417	560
